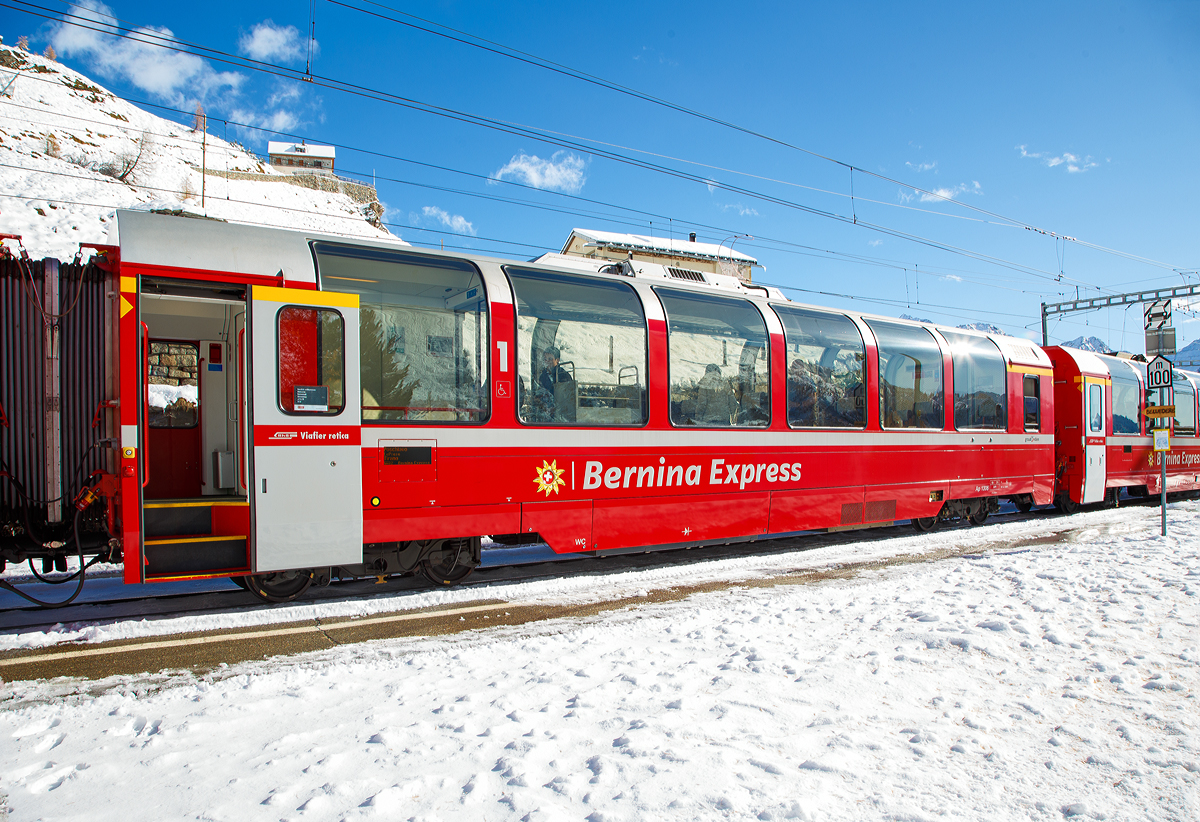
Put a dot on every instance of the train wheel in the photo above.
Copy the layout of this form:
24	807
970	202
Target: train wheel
450	565
1065	504
1024	504
978	516
283	586
925	524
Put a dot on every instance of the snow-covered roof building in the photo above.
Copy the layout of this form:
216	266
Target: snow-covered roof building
687	255
301	158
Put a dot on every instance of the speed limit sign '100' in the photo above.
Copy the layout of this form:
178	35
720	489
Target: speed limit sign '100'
1158	373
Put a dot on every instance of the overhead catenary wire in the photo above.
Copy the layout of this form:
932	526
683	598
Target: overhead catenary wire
504	199
155	38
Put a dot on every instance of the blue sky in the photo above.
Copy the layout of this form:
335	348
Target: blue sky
1073	118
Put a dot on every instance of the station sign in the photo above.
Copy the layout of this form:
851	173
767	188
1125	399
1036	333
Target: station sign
1159	412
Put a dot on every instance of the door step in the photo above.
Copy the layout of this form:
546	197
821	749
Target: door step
196	537
218	516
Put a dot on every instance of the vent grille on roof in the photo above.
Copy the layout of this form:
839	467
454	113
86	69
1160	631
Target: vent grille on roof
686	274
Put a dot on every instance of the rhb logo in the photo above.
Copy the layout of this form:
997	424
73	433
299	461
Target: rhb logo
549	477
284	435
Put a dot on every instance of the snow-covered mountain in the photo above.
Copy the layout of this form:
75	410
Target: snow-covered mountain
987	328
911	318
71	153
1189	354
1088	344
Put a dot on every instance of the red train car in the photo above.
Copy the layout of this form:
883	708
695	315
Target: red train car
286	407
1104	441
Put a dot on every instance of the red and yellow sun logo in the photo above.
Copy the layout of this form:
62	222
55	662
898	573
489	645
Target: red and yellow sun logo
549	477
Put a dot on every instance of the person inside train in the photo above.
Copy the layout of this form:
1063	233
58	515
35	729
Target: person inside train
715	404
552	373
554	396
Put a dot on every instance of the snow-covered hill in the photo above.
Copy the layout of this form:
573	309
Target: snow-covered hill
71	153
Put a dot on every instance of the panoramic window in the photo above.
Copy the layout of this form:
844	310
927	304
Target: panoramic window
826	369
1126	397
312	350
424	335
1185	406
174	388
581	350
980	373
718	361
912	393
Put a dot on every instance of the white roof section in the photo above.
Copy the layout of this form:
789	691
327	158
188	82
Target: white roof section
640	243
188	242
301	150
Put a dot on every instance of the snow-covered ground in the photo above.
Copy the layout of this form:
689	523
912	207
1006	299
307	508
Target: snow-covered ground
59	132
1046	679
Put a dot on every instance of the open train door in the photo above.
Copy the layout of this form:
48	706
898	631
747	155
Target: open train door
303	420
128	362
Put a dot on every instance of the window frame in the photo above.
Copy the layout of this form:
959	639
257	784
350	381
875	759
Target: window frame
718	298
1113	365
1191	431
279	371
872	323
785	309
948	335
566	276
196	424
1037	395
407	257
1094	388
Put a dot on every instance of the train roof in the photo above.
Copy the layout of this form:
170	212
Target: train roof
197	243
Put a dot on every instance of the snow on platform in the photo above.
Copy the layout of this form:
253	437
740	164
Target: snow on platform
1042	679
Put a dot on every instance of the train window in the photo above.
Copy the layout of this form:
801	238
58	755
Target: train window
1185	406
912	393
980	377
312	354
423	326
827	369
581	350
1126	398
174	389
1033	406
1095	409
718	361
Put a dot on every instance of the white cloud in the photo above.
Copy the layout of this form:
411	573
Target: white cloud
267	41
562	172
285	92
1074	163
742	210
954	278
941	194
875	243
177	78
455	222
278	120
919	167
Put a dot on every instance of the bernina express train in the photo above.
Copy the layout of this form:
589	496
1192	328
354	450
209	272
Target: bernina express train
283	408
